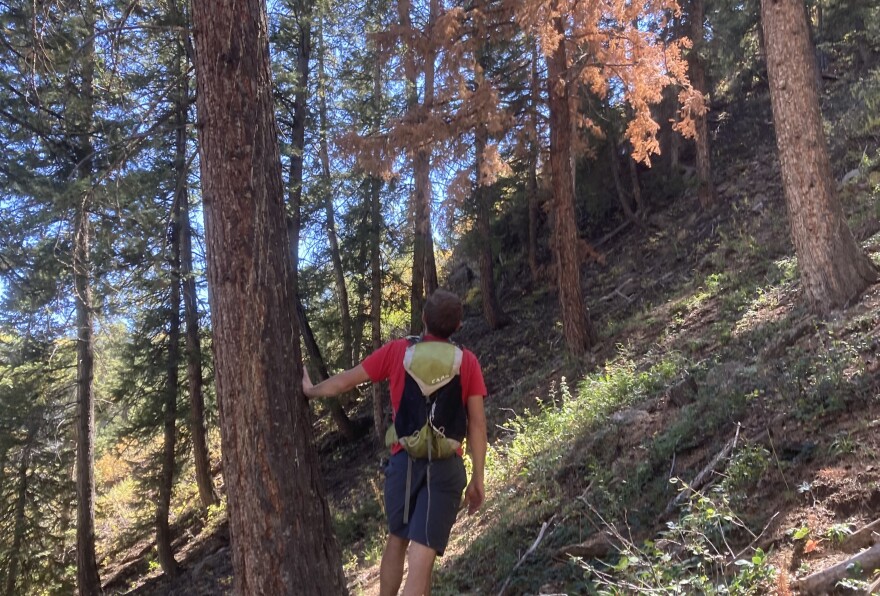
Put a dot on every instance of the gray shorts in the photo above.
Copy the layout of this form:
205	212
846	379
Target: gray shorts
432	503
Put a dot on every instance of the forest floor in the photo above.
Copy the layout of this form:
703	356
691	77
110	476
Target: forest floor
705	349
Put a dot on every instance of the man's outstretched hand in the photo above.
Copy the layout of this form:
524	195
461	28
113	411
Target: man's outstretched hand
307	383
474	495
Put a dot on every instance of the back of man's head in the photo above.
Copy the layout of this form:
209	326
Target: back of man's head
442	313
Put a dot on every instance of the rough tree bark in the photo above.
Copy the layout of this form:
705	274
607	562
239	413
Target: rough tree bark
705	188
280	524
575	316
425	176
82	117
422	181
834	270
87	566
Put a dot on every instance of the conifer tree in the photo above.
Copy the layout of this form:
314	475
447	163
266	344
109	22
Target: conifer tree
421	159
492	311
834	270
534	153
697	73
327	198
169	405
299	44
195	378
610	45
282	539
374	185
81	116
36	491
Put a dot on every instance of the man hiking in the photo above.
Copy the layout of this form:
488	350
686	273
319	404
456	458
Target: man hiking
437	393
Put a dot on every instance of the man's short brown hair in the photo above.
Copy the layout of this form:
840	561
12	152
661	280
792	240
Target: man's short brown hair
442	313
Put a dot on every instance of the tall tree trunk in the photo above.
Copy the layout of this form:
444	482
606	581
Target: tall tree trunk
421	167
18	521
426	196
834	270
495	316
195	380
576	323
312	348
705	188
534	153
421	199
279	520
88	581
376	225
87	567
295	184
169	407
333	241
298	134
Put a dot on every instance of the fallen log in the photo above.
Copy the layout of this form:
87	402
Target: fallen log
823	581
862	538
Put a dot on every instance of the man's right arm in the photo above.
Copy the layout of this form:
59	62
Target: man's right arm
337	384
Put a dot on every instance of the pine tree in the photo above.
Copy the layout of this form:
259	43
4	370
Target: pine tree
834	270
195	378
697	73
327	199
82	116
492	311
300	45
279	519
36	492
613	47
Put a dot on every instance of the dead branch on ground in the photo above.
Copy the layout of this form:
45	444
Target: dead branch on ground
526	555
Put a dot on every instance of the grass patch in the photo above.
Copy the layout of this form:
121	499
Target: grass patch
540	438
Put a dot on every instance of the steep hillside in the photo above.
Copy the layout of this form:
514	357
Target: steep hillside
720	437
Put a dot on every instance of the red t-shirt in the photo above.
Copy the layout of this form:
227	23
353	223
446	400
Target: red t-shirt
387	363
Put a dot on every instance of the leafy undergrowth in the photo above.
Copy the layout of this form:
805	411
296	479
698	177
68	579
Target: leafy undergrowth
705	349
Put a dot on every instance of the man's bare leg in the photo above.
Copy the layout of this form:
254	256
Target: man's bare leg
391	569
421	563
